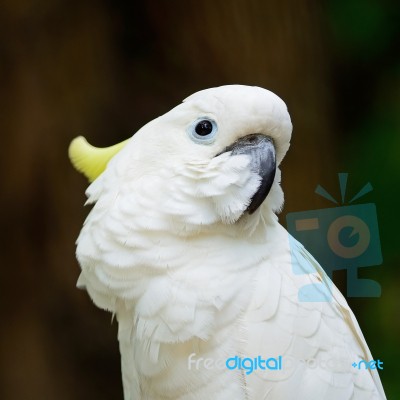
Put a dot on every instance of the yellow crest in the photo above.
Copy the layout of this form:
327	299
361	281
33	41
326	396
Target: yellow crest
90	160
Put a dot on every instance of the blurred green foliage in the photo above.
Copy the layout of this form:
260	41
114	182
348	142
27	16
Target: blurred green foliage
366	73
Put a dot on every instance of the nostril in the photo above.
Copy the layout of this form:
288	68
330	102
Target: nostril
252	139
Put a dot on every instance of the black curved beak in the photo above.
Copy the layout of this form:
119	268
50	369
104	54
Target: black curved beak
263	162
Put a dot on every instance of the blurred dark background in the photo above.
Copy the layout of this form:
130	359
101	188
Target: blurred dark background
103	69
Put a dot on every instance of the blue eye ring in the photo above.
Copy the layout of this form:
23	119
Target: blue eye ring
203	130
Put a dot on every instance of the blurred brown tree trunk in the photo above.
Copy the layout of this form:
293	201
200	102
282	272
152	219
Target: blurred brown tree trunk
104	70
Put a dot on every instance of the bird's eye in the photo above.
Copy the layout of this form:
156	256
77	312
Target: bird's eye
203	130
204	127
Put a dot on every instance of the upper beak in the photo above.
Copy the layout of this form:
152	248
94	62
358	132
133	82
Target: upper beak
261	150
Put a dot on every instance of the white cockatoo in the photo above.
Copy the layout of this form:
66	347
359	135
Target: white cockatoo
184	247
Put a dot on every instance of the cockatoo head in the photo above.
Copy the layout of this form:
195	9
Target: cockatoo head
213	159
